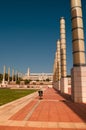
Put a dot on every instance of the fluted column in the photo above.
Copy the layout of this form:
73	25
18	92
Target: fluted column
77	33
63	47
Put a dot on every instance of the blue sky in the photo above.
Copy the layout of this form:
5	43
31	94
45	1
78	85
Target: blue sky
29	30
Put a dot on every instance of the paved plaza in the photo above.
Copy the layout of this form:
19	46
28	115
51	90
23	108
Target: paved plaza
53	112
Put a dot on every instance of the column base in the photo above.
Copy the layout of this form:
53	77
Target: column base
4	83
64	85
78	89
55	85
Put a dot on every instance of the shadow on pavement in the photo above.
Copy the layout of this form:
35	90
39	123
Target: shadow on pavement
78	108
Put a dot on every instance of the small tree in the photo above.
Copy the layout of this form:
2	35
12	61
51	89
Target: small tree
6	76
18	82
27	81
37	80
48	79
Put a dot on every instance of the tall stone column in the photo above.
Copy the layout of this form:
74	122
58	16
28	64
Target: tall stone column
16	75
77	34
8	75
55	72
12	75
79	64
63	47
58	64
64	85
4	73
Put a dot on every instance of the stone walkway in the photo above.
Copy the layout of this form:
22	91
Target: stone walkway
53	112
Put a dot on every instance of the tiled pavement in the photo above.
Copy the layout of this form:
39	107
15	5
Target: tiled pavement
53	112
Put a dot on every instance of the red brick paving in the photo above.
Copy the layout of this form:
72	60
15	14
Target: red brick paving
54	107
30	128
58	110
25	128
24	111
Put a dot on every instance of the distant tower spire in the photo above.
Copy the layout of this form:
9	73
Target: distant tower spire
28	72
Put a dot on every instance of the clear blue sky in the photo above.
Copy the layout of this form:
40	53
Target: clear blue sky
29	30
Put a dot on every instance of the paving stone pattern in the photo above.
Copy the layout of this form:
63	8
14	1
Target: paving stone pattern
54	111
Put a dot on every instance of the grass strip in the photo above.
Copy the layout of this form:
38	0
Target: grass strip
8	95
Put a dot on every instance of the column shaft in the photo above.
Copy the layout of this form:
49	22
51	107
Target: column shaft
78	71
58	60
8	74
4	72
63	47
77	33
13	75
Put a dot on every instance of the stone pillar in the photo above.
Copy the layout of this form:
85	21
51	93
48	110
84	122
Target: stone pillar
15	75
79	65
8	75
63	47
77	34
55	72
12	75
64	82
4	72
58	64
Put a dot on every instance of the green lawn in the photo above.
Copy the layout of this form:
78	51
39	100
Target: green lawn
8	95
